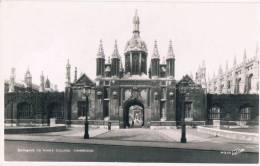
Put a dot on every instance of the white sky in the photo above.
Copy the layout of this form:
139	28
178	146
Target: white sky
42	35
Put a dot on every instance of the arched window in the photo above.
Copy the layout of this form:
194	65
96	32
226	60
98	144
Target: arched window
214	113
249	83
238	85
228	85
245	113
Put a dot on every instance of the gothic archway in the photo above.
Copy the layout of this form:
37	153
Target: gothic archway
133	115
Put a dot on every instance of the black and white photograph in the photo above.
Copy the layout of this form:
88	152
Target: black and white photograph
129	82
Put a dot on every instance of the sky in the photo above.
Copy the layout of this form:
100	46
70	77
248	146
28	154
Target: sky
42	35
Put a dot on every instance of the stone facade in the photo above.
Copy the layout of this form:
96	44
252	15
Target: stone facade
135	95
34	108
241	78
120	88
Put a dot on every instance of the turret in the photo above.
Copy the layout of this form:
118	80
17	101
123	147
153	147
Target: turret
170	61
47	84
28	79
12	81
115	62
75	74
136	23
244	57
155	62
42	87
100	61
203	76
68	74
136	52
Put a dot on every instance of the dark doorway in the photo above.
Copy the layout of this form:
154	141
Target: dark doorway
133	114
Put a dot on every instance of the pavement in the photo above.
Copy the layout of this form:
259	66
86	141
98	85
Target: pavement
166	138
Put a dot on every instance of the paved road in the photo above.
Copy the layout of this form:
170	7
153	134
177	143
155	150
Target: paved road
142	145
55	151
135	134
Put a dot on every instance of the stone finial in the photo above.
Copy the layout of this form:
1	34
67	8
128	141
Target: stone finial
155	54
235	61
170	54
244	57
226	65
115	53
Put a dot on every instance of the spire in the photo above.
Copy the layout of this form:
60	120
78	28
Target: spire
28	73
68	63
115	53
244	57
155	51
42	82
100	53
67	74
12	80
47	83
75	74
235	61
170	51
220	71
226	65
136	23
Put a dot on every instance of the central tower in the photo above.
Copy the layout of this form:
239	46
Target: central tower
136	52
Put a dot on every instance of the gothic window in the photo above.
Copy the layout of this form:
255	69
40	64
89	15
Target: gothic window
188	111
245	113
214	113
228	84
81	108
238	85
249	86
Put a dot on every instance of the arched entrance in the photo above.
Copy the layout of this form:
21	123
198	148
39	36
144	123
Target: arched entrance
133	113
